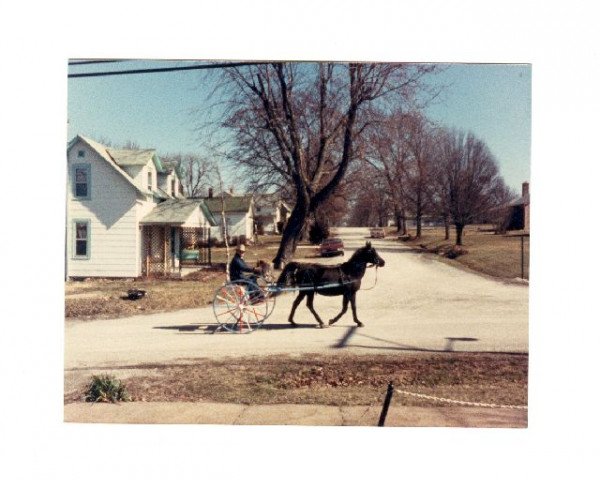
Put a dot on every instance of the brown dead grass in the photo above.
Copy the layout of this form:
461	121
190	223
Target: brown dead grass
342	380
483	251
106	298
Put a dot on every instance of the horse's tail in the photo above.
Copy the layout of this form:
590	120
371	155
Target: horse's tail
287	277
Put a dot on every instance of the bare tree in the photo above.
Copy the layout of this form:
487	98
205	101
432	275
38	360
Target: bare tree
131	145
224	228
196	172
420	167
387	153
372	202
469	184
298	125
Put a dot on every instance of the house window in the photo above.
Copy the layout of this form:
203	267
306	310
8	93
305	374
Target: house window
82	239
81	181
149	180
80	153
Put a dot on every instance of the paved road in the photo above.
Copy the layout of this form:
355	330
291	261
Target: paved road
416	305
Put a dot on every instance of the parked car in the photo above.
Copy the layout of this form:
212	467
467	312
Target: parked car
331	246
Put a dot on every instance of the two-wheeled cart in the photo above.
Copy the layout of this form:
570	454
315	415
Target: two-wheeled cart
239	306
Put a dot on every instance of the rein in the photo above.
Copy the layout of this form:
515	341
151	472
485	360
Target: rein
376	270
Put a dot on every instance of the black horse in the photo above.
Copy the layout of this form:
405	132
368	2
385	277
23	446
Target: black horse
330	280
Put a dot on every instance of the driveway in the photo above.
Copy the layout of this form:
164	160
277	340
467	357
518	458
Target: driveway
414	304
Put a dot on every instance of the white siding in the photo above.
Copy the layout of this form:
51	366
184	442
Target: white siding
139	175
196	219
165	181
112	212
237	224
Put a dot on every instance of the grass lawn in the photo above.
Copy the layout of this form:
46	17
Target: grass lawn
495	255
106	298
342	380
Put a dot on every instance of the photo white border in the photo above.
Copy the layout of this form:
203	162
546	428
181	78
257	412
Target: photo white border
559	39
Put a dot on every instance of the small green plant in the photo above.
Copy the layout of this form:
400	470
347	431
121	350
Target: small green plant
106	388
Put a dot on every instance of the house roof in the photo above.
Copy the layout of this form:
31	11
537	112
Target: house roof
172	166
130	158
160	194
232	204
271	199
176	211
102	151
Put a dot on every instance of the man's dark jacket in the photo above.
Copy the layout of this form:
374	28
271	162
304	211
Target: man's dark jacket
237	267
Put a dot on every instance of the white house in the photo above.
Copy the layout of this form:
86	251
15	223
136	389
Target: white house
239	216
126	215
270	213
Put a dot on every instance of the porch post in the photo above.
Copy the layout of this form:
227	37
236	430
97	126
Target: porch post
165	245
148	249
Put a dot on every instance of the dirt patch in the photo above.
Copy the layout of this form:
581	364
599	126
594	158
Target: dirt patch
332	380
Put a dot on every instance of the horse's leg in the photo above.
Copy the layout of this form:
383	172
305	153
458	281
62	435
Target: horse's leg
309	304
353	305
297	301
344	308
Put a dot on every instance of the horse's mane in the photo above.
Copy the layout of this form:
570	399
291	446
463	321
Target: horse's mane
356	254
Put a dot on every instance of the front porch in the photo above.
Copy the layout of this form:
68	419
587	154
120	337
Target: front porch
171	250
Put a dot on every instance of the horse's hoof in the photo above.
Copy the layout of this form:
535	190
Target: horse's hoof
359	324
293	325
332	321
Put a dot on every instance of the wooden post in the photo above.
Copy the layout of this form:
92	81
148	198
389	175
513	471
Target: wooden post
522	257
166	248
209	248
386	404
148	250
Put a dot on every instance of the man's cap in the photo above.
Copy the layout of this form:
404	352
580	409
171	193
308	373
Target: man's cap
241	248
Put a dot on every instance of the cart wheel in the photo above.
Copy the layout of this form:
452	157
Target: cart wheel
238	308
267	295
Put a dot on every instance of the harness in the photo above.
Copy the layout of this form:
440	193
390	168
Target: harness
343	280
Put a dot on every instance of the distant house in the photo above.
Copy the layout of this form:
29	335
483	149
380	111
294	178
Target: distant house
517	216
270	213
126	215
239	216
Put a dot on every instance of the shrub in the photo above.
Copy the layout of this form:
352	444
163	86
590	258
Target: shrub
106	388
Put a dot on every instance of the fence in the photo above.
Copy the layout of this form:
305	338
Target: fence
390	392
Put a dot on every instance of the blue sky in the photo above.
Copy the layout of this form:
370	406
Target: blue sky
155	110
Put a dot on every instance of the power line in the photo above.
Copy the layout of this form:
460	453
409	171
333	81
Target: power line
89	62
165	69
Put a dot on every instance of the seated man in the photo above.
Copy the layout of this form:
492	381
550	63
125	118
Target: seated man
238	267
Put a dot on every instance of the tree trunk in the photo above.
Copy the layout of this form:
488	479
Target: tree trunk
446	227
459	233
291	234
398	221
418	220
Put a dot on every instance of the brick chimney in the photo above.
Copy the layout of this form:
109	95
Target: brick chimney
210	192
525	190
231	190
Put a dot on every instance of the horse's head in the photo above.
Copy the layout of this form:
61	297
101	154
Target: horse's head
265	270
370	255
